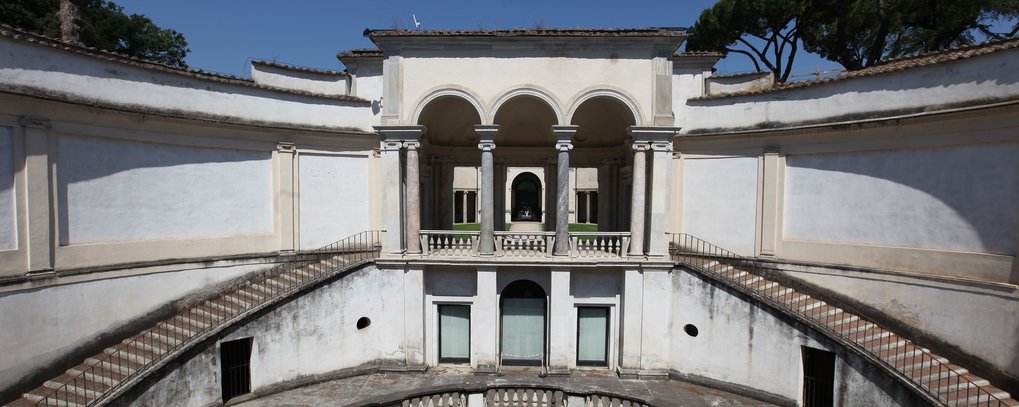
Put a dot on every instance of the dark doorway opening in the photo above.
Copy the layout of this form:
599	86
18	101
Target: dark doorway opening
235	365
522	308
526	198
818	378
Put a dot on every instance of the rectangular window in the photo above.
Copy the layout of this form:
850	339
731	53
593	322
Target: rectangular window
235	365
458	206
592	336
818	378
454	334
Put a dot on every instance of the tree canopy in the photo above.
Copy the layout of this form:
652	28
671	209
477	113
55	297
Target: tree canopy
855	33
103	25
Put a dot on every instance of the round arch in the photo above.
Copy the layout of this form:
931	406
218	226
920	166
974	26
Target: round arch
445	92
532	91
609	93
525	198
523	318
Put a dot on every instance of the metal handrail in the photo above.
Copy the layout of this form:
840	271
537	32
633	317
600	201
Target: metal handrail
939	382
157	344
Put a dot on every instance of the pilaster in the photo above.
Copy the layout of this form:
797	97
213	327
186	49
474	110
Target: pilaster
414	316
39	188
286	196
655	336
561	337
485	313
631	322
769	203
659	141
392	140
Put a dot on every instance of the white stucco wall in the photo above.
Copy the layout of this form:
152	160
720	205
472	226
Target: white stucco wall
720	201
959	198
312	335
973	80
565	78
687	82
43	325
738	83
8	221
113	190
369	82
324	83
67	75
333	198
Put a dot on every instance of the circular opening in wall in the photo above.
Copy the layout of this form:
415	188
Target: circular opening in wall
363	323
690	330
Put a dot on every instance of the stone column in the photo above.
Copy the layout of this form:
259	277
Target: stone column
637	196
485	323
38	187
392	139
561	337
564	136
286	197
413	197
486	143
769	203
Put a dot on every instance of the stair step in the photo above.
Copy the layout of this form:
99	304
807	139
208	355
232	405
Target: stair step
128	355
56	400
236	298
72	389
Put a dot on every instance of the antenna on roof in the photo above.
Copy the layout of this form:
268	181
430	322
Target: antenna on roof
417	24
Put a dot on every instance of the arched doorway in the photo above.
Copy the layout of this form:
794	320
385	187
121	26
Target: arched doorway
522	322
526	198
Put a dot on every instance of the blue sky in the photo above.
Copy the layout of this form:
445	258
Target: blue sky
224	35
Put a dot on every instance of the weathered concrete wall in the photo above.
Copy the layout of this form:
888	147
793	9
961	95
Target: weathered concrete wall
327	83
978	318
8	220
720	201
40	326
742	343
990	77
40	69
333	196
312	335
117	190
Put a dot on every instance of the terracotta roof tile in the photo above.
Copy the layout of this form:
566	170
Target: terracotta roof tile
698	54
298	68
7	31
363	52
892	65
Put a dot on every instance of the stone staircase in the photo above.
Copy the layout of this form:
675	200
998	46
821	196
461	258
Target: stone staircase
99	379
936	378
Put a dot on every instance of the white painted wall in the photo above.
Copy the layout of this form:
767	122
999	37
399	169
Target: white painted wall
312	335
37	68
315	82
333	198
113	190
43	325
8	219
720	201
959	198
973	80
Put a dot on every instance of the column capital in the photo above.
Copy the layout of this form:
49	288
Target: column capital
412	145
284	147
658	137
564	137
772	149
641	146
36	122
399	134
486	136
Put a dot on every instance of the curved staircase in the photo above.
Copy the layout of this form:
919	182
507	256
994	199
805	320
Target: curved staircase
935	378
103	377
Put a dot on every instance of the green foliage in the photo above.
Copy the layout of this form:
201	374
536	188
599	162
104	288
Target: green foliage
854	33
105	27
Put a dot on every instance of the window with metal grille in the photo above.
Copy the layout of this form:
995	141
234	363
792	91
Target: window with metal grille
235	358
818	378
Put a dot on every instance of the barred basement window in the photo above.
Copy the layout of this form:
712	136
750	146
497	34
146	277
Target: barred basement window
818	378
235	358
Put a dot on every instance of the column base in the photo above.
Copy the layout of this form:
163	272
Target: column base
642	374
487	371
558	371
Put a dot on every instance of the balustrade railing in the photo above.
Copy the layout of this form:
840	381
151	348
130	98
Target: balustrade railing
583	245
524	244
452	243
599	244
510	395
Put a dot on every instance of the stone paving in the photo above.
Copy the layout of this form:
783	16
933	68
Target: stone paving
351	391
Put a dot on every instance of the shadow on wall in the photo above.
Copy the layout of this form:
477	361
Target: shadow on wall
960	198
119	190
